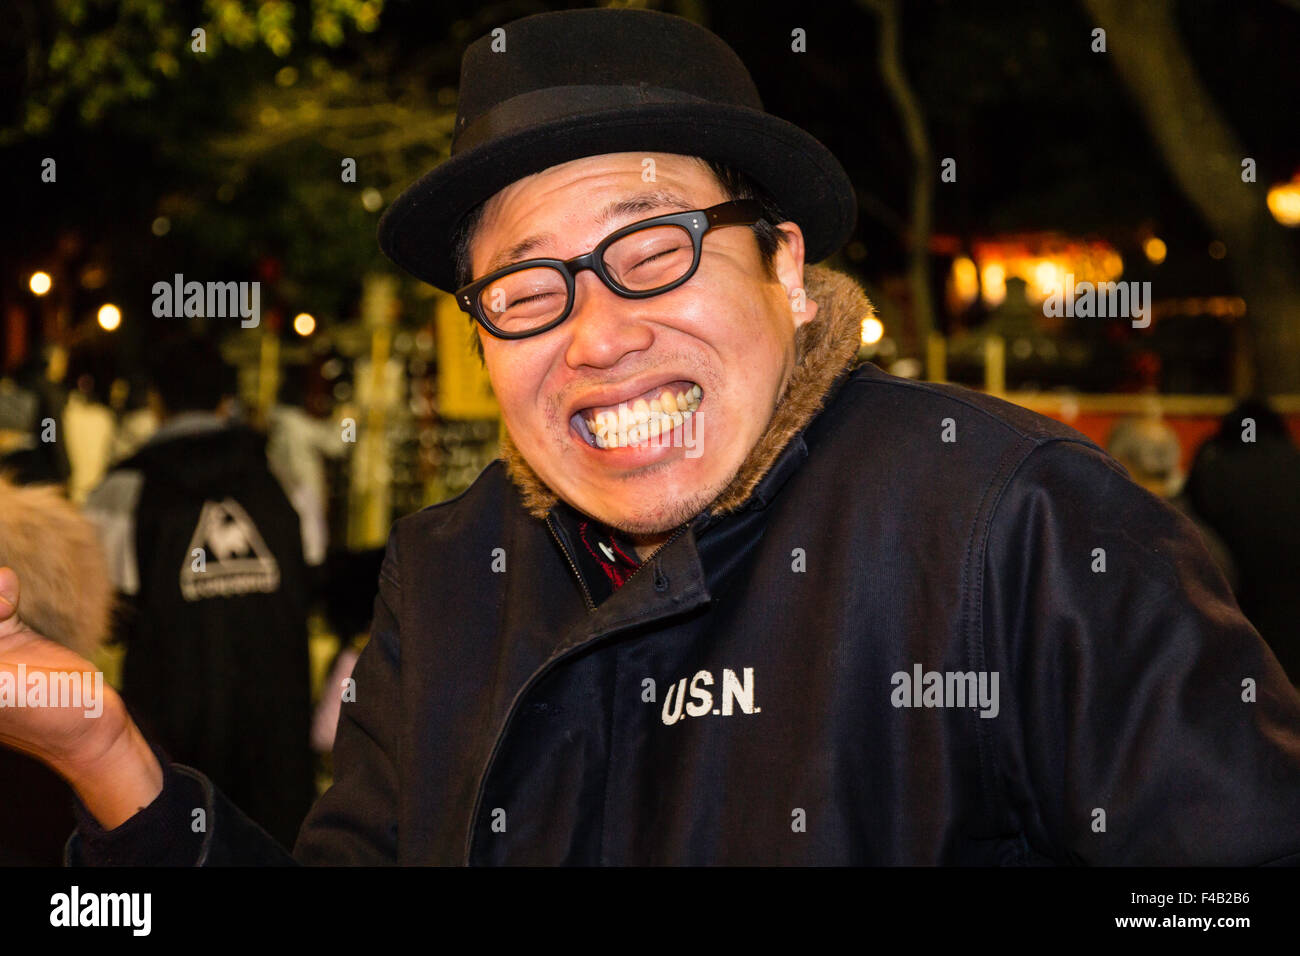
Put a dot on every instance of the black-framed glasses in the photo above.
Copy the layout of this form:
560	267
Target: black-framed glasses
639	260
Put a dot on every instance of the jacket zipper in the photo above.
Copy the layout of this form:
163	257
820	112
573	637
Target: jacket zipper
586	594
539	674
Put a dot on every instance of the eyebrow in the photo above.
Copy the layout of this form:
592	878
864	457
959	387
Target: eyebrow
620	208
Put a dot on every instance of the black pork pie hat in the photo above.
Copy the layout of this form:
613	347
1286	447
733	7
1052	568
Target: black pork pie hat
578	83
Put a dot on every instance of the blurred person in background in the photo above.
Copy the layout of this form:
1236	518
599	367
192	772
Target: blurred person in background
1245	481
300	439
29	450
67	597
88	424
1150	451
352	584
205	548
137	421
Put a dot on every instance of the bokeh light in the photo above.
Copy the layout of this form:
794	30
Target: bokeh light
110	317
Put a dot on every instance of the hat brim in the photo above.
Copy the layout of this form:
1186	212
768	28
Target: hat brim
801	174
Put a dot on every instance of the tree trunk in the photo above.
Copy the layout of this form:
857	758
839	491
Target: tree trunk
909	110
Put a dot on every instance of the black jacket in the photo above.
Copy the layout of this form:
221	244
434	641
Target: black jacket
216	668
744	698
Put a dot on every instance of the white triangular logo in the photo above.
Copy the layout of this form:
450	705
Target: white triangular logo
227	555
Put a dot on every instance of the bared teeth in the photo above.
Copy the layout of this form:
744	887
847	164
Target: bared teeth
640	432
638	421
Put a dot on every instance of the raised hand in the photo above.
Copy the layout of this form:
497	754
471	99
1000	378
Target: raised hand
55	706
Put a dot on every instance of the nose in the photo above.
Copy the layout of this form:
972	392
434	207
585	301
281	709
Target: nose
603	327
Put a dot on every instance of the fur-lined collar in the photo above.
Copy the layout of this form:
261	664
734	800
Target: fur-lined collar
824	347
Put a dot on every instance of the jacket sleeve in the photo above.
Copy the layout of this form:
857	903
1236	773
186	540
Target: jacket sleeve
1148	723
190	823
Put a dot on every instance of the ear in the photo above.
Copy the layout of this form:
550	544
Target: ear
788	264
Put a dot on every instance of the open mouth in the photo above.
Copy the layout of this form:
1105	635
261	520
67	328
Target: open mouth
639	420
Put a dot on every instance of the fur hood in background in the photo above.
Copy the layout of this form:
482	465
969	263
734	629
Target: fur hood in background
824	347
64	590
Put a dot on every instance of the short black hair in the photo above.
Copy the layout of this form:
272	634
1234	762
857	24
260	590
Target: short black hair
735	184
189	374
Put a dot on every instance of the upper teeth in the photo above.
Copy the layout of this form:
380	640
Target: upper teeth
633	423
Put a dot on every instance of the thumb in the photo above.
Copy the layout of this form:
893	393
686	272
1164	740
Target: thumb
8	594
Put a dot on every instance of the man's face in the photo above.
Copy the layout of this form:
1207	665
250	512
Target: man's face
728	330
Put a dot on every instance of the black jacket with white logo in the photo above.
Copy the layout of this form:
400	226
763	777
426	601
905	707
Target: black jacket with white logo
206	550
938	629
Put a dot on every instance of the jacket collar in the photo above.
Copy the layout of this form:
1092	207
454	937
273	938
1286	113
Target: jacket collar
825	350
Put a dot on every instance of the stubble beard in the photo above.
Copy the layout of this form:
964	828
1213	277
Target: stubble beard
679	510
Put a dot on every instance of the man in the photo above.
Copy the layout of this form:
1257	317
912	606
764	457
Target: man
204	549
831	617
